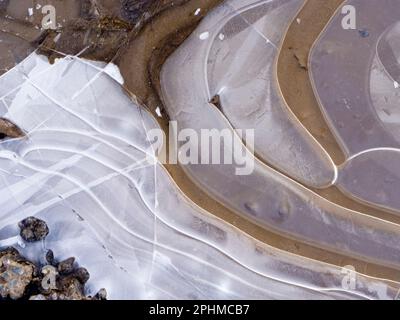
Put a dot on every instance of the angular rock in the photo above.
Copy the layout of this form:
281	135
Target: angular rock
50	257
82	275
33	229
66	266
70	288
101	295
16	273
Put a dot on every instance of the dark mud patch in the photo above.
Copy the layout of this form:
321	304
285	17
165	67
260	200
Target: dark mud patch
103	28
98	39
96	29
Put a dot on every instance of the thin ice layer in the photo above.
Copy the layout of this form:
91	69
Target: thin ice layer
355	76
87	168
240	55
265	195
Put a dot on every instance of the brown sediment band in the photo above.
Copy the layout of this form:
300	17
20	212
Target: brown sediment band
141	61
293	76
140	64
295	84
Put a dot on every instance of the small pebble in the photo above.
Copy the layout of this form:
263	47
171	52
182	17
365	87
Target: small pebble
101	295
50	257
66	266
33	229
363	33
82	275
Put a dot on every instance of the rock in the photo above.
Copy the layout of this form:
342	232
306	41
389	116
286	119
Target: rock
16	273
50	257
66	266
9	129
82	275
101	295
19	279
38	297
216	101
33	229
70	288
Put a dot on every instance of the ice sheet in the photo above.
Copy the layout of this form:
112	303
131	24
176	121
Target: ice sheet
86	167
266	196
241	55
355	76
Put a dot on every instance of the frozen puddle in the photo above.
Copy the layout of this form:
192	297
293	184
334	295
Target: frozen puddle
84	168
238	64
272	199
356	76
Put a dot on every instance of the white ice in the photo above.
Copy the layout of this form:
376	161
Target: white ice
84	168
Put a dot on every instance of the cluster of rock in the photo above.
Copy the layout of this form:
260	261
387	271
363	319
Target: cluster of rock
23	279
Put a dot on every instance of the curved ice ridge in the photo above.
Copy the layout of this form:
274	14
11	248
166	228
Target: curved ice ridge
85	168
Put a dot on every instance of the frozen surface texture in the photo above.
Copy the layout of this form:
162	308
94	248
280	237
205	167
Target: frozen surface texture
87	168
356	78
239	55
265	195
